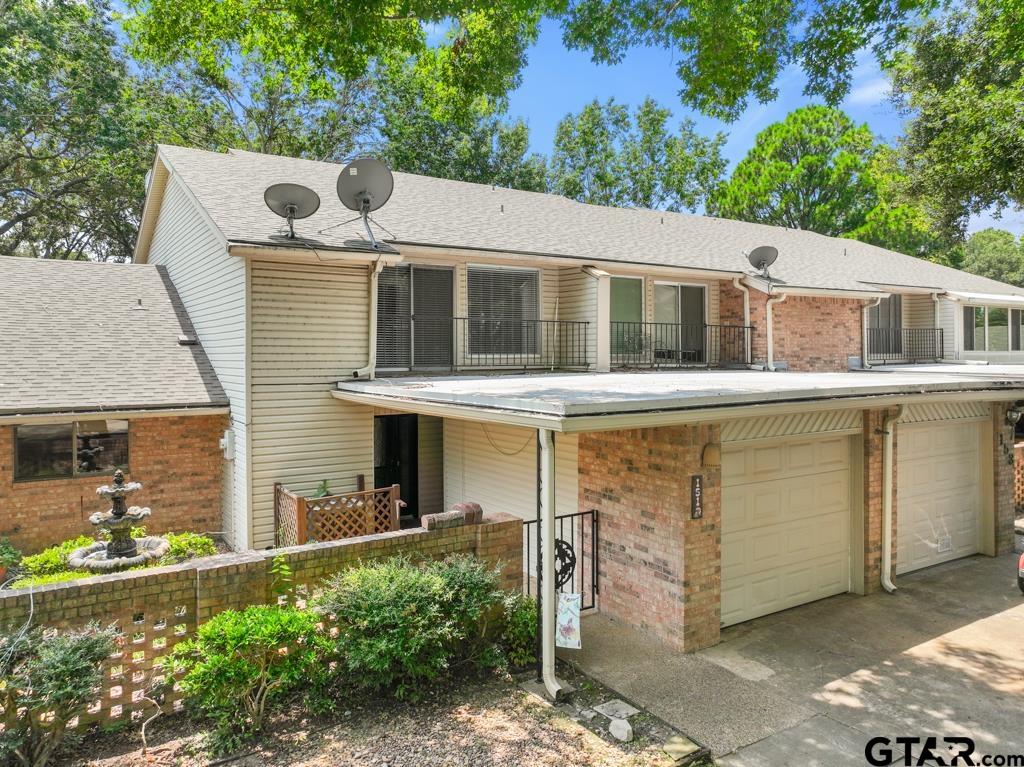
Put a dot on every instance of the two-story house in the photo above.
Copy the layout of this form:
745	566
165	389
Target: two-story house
547	358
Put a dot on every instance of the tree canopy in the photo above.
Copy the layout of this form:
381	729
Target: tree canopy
607	155
997	254
961	82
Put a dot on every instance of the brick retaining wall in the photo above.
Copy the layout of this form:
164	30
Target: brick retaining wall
157	608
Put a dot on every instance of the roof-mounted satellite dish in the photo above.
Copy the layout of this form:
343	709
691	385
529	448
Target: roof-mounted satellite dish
365	186
762	257
291	201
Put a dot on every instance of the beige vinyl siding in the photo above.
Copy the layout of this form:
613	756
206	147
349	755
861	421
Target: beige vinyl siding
430	464
497	468
309	330
949	321
918	311
212	287
578	303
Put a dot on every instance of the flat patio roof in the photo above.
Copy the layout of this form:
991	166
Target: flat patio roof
592	401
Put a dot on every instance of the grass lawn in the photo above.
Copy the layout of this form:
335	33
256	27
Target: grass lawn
473	724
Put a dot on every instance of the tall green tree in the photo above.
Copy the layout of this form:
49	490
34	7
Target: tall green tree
997	254
606	155
477	145
961	82
809	171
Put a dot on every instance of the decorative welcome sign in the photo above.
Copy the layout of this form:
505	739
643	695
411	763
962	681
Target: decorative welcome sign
567	621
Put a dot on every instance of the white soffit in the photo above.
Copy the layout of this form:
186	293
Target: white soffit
945	411
986	298
819	422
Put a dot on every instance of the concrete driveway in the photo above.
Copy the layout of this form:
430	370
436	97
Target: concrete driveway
943	656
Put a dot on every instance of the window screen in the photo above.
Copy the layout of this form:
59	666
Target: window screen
974	328
503	308
998	330
394	317
101	446
888	313
66	450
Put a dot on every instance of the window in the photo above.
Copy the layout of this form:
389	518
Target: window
68	450
504	306
1016	320
888	313
974	328
627	294
998	330
678	333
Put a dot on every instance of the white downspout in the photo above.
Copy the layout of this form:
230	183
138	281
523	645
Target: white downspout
746	314
371	365
936	319
548	595
770	327
888	428
864	331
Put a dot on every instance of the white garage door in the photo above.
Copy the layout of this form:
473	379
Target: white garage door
938	493
785	524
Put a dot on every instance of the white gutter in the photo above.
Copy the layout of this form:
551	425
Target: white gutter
769	322
548	595
888	427
371	365
80	415
737	282
864	332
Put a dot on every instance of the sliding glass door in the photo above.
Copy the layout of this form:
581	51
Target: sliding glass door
679	331
414	317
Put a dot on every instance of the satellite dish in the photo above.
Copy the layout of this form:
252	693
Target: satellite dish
762	257
291	201
365	186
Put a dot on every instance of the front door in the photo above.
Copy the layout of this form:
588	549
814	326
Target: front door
395	458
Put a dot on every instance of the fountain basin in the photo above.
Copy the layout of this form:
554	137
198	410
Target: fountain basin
94	557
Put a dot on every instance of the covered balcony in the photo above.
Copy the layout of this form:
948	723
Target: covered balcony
675	345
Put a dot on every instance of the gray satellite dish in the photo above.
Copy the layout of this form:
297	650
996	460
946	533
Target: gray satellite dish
762	257
365	186
291	201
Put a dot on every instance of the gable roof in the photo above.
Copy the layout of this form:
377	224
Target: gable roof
83	336
459	215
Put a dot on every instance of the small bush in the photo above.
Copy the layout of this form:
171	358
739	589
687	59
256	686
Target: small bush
186	546
9	555
43	580
401	627
519	634
54	559
240	661
45	681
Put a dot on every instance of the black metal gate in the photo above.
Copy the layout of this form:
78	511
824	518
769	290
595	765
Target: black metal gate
576	544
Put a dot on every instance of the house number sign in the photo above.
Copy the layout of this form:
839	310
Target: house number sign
696	496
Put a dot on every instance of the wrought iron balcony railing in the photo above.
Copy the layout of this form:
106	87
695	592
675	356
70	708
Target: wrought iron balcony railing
663	344
422	342
905	344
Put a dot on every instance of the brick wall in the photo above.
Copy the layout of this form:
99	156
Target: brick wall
873	438
660	570
811	333
1004	466
157	608
176	459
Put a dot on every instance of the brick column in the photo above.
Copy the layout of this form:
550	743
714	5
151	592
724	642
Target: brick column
873	421
660	570
1004	471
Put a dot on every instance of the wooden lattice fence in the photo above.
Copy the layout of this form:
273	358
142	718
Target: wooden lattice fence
300	520
1018	478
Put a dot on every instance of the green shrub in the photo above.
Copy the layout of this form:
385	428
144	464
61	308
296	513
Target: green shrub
42	580
9	555
55	558
187	546
241	661
401	627
519	634
45	681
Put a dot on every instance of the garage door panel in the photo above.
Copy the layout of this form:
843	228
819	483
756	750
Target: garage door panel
938	493
785	525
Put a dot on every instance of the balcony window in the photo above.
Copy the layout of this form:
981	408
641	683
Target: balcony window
414	317
888	313
55	451
503	308
998	336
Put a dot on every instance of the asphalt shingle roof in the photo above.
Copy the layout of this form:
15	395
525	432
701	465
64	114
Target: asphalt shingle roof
74	338
431	211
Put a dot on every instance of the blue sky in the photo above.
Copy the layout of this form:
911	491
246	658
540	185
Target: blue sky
557	81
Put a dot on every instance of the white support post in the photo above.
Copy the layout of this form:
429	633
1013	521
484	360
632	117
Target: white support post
604	318
548	595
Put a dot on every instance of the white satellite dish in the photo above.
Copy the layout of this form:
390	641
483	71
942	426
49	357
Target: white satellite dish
762	257
291	201
365	186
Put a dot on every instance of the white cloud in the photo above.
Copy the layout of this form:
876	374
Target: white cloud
869	93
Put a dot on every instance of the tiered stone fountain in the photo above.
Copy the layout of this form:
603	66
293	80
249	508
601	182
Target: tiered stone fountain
121	551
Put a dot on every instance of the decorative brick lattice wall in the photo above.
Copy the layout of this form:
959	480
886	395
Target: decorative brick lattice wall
155	609
177	460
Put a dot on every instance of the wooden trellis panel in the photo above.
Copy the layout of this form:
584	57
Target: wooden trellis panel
334	517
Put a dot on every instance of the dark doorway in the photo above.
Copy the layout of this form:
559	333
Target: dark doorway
395	458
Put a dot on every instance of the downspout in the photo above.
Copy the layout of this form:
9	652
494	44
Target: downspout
888	428
746	316
770	327
371	365
864	332
935	321
547	585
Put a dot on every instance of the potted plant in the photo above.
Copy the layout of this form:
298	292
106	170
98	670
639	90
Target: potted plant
9	557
